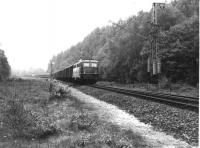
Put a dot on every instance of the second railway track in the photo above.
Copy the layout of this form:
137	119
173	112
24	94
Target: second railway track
190	103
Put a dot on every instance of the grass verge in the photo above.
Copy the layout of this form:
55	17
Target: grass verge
31	116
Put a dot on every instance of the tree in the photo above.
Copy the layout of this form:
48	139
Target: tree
4	66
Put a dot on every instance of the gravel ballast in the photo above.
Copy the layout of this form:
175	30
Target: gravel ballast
181	124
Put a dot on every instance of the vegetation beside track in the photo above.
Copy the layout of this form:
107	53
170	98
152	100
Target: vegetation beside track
182	124
30	116
24	110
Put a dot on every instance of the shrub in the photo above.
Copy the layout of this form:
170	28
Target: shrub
57	92
164	82
81	121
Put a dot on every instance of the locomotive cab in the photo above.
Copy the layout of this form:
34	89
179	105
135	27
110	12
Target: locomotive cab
86	71
89	71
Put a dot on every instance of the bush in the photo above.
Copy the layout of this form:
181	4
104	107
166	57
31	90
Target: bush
164	82
57	92
81	121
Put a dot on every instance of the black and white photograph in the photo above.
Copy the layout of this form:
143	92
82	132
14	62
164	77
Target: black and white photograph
99	73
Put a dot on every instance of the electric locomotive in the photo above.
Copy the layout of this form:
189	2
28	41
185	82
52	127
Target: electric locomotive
85	71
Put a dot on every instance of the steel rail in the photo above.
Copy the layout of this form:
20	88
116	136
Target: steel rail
178	96
174	100
164	94
175	97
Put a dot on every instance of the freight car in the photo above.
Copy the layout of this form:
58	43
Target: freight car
84	71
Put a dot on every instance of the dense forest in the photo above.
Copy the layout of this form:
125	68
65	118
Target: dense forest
4	66
122	48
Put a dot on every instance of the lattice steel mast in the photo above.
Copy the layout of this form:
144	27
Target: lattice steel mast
154	63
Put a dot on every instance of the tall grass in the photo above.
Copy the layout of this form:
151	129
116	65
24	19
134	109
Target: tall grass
21	121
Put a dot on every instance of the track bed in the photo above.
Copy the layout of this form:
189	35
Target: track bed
185	102
182	124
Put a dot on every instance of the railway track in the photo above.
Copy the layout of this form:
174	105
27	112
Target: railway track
190	103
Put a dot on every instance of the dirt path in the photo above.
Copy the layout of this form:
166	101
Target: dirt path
111	113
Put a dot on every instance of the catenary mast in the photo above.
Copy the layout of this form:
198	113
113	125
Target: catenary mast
154	62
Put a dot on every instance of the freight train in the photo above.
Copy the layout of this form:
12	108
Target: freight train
84	71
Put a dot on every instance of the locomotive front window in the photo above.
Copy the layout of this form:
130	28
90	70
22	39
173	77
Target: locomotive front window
94	64
86	64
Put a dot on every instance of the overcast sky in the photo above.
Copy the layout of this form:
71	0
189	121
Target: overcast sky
32	31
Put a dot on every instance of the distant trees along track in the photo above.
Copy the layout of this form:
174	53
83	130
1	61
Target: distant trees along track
184	102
